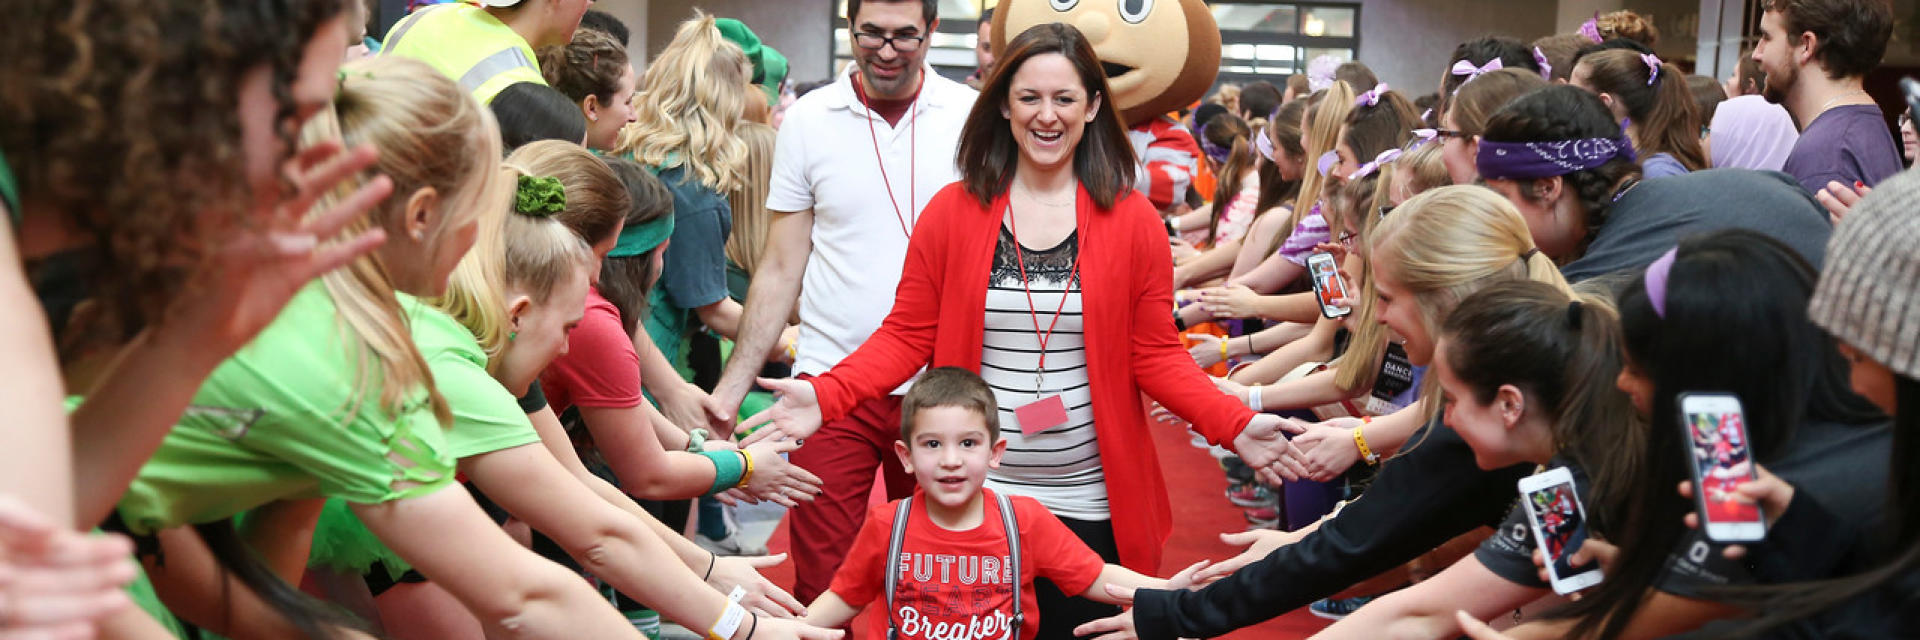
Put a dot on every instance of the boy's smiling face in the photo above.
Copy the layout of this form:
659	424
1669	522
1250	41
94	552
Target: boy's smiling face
950	454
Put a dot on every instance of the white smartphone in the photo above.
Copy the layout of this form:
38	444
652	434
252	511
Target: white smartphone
1559	524
1721	459
1327	284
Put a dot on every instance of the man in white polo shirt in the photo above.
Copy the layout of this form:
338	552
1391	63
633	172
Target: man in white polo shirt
854	164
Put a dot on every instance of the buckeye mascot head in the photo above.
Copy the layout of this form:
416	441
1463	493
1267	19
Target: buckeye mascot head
1160	55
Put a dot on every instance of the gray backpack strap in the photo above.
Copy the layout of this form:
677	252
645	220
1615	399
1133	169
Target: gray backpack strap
1012	525
900	513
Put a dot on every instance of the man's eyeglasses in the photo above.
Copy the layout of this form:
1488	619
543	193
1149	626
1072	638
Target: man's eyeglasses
874	41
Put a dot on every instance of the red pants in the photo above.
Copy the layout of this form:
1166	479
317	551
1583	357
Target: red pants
845	454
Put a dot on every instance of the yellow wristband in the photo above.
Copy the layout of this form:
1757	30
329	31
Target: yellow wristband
1223	349
1360	442
793	349
748	474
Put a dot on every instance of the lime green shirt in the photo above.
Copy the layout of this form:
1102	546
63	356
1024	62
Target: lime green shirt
281	420
486	418
467	44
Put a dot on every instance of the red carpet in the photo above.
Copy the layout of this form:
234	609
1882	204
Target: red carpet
1201	512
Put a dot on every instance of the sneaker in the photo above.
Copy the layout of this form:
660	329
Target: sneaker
1266	517
732	545
1332	609
1249	495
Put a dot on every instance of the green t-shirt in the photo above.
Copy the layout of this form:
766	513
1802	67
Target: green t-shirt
486	417
282	419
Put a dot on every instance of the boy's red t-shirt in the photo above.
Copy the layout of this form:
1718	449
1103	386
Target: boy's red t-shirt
954	585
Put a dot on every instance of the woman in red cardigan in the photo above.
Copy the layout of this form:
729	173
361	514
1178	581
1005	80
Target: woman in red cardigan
1044	271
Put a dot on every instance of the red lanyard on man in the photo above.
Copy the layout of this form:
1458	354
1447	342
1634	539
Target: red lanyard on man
908	217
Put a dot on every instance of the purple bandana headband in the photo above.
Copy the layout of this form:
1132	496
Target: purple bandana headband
1214	151
1657	274
1372	97
1591	29
1379	161
1546	68
1327	160
1653	67
1528	160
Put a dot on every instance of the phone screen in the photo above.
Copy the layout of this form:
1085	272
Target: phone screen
1327	283
1722	462
1556	514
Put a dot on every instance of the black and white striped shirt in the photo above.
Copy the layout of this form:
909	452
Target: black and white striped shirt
1059	467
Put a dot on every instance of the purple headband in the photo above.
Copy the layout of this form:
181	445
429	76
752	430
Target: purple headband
1212	150
1327	160
1653	67
1657	274
1264	145
1378	161
1528	160
1372	97
1591	29
1546	68
1465	68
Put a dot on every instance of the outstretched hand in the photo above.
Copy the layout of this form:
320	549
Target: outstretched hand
57	582
762	595
254	269
1259	543
795	413
1263	445
1118	627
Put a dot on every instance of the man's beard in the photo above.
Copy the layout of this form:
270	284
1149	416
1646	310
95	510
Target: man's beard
1774	86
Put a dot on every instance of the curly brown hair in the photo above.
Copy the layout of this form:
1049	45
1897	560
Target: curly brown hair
589	66
121	115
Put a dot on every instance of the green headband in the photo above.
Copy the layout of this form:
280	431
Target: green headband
637	239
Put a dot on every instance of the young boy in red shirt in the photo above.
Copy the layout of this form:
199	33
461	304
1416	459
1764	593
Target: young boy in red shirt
942	561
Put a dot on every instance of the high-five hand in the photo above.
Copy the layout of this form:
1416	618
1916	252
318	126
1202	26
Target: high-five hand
794	415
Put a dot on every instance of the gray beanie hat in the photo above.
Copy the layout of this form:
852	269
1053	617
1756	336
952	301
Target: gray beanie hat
1869	292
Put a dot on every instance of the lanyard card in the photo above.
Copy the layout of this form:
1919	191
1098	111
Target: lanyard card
1041	415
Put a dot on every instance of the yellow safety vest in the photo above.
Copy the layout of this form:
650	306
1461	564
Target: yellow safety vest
467	44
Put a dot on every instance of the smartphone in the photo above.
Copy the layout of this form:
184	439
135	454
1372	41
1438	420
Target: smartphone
1721	459
1559	525
1327	284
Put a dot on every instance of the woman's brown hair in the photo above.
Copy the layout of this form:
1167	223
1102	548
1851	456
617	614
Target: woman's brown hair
1477	101
1386	124
1283	131
122	117
591	65
1103	161
1228	131
627	280
1665	118
596	201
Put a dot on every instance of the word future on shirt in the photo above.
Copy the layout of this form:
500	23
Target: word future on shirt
936	589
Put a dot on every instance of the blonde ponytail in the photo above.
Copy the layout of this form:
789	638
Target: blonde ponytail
430	133
690	99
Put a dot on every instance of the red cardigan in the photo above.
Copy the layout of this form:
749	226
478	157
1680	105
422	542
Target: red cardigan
1126	274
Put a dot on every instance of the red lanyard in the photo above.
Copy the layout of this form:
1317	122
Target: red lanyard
913	129
1019	256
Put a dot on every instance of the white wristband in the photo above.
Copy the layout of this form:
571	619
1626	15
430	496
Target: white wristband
729	622
1253	399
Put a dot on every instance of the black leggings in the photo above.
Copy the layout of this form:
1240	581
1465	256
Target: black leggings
1059	612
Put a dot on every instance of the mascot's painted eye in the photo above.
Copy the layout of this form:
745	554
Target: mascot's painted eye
1064	5
1134	11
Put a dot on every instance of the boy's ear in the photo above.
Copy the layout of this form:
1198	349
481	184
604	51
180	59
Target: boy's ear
999	449
906	456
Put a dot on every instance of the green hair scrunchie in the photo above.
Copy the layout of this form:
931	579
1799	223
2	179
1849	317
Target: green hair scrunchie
539	197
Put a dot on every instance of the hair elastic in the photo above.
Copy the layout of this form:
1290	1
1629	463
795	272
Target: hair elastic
1529	253
1653	67
1465	68
1657	274
1372	97
1320	72
1591	29
1573	314
539	196
1546	68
